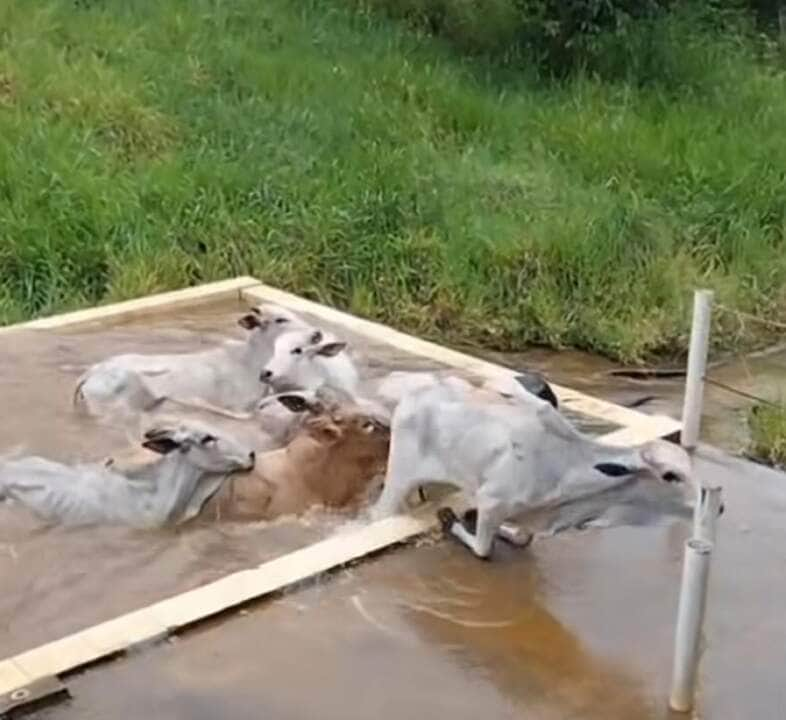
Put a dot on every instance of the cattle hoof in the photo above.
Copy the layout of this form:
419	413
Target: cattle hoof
447	518
519	542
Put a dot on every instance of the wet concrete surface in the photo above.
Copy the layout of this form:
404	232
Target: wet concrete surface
579	626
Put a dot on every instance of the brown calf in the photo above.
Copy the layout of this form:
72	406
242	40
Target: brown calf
333	460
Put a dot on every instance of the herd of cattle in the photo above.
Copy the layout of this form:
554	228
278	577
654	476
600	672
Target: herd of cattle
283	421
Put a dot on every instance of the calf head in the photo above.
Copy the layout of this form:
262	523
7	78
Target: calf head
296	359
341	427
269	319
282	414
205	449
657	482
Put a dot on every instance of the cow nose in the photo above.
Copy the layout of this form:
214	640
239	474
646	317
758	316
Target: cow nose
265	375
721	509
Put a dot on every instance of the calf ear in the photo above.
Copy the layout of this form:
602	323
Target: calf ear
160	440
536	384
329	434
295	403
250	321
161	445
300	403
369	425
330	349
614	469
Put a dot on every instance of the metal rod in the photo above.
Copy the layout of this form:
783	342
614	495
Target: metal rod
697	365
690	618
706	513
741	393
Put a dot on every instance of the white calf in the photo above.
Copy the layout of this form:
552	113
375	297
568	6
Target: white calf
308	359
525	462
168	489
226	376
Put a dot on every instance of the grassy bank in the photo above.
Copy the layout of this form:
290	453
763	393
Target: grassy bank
767	424
149	145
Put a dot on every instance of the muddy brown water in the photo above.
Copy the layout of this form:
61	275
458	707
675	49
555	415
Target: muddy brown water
577	627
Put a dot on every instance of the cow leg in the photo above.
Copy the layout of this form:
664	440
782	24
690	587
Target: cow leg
394	493
408	470
514	535
509	532
490	516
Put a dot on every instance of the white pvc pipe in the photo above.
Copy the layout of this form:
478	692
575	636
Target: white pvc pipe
697	366
705	516
690	618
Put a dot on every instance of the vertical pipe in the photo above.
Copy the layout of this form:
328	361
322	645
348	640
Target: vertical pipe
690	618
705	516
697	365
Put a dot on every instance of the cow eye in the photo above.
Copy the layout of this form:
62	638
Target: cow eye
281	320
209	439
297	351
671	476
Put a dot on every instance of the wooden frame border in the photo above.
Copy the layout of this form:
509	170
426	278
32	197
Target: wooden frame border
139	306
42	664
636	426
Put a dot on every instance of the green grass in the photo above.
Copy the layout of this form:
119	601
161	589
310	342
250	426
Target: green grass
149	145
767	424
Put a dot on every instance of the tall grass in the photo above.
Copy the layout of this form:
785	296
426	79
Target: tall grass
150	145
767	425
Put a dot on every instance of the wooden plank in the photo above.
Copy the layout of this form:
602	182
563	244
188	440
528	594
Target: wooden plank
202	602
240	587
36	694
89	645
11	677
125	631
94	643
57	657
140	306
658	426
573	399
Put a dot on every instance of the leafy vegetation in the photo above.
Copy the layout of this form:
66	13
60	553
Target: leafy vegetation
767	424
373	164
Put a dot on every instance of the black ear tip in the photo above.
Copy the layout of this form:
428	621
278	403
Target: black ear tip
537	384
